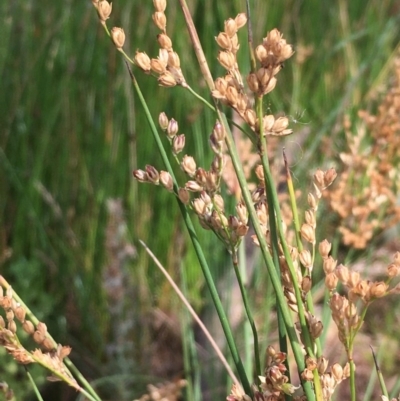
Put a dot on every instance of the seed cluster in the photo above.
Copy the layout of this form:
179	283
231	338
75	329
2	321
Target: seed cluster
49	355
230	89
366	197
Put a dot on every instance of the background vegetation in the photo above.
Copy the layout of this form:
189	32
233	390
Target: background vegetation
71	133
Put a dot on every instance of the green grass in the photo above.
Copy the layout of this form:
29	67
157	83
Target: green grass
72	131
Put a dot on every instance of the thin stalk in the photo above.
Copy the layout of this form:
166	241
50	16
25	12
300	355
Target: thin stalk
352	380
197	247
249	316
247	331
35	388
263	153
296	222
380	377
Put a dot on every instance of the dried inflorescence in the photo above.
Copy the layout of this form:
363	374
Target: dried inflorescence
167	65
230	89
204	185
50	355
366	198
346	309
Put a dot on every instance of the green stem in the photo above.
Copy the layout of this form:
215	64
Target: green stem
249	315
197	247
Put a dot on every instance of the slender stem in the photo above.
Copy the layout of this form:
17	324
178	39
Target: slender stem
379	374
249	316
35	389
197	247
193	314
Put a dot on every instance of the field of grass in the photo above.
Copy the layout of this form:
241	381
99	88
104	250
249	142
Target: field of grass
72	131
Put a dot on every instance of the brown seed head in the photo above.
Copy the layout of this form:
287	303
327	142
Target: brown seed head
307	375
173	60
378	289
308	233
393	270
9	315
143	61
227	60
160	20
232	95
178	143
166	180
329	265
230	27
331	281
224	41
343	274
306	284
322	365
324	248
329	177
188	165
199	206
160	5
104	9
250	117
164	41
306	259
319	179
152	174
183	196
312	202
337	372
163	121
118	37
158	65
28	327
167	80
354	279
252	82
12	326
172	128
193	186
141	175
280	124
38	337
240	20
48	344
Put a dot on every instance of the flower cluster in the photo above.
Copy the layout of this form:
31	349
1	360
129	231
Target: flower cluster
329	379
230	89
167	65
366	198
50	355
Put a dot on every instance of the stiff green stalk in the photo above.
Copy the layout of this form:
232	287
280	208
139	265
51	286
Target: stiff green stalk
199	251
34	386
249	315
380	377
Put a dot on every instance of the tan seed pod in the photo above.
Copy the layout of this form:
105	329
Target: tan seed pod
173	60
152	174
160	5
188	165
232	95
166	180
164	41
199	206
158	65
28	327
324	248
163	121
330	265
118	37
242	212
9	315
227	60
230	27
378	289
224	41
48	344
141	175
104	9
308	233
193	186
183	195
306	258
38	337
240	20
252	82
160	20
280	124
172	128
331	281
329	177
167	80
178	143
12	326
143	61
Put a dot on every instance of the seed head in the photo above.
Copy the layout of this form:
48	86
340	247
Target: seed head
160	20
164	41
141	175
188	165
184	196
240	20
324	248
227	60
378	289
160	5
163	121
306	258
118	37
166	180
178	143
172	128
308	233
104	9
167	80
143	61
331	281
152	174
